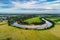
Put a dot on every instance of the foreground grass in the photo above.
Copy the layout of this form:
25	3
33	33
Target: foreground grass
13	33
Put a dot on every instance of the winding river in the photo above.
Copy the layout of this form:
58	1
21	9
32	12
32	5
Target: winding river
47	24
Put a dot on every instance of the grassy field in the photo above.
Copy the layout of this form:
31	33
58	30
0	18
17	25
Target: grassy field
13	33
36	20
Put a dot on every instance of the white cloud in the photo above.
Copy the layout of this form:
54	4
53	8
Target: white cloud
28	11
33	5
23	5
42	0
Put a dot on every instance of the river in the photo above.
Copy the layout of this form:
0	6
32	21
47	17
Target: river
47	24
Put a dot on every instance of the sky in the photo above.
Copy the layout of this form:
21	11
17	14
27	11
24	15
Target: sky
30	6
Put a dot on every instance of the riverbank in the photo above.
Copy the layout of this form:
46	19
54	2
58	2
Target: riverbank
47	24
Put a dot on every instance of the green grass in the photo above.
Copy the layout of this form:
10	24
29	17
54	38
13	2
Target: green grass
35	20
13	33
55	20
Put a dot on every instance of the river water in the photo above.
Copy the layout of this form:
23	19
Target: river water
47	24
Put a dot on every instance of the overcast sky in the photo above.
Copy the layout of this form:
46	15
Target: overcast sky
30	6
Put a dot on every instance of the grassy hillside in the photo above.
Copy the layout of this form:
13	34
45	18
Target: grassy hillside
13	33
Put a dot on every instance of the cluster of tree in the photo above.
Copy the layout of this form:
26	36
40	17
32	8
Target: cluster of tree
19	19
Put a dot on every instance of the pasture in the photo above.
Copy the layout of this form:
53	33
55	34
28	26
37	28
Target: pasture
35	20
13	33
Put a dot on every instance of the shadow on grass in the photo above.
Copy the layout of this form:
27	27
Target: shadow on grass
3	24
7	39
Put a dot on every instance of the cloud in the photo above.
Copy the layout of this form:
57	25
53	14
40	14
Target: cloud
41	6
33	4
1	4
23	5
